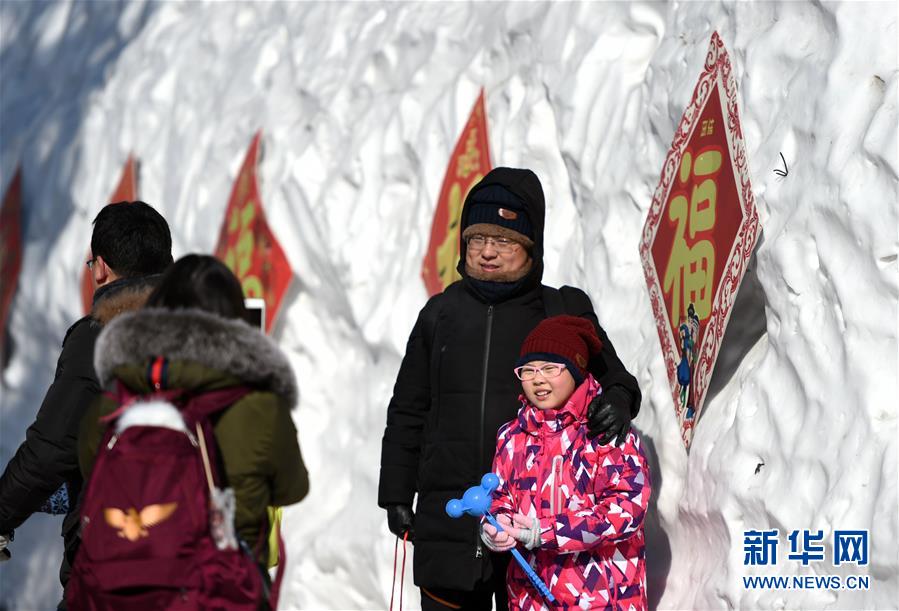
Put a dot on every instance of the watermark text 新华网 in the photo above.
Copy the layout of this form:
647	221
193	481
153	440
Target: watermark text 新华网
850	547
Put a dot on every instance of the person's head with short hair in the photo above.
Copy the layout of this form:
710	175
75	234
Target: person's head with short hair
202	282
554	358
130	239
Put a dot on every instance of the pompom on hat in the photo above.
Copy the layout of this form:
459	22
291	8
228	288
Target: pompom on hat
570	340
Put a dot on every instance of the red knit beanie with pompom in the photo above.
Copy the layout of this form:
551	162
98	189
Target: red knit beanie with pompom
570	340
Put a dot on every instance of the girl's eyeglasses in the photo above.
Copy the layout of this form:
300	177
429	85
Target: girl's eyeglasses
526	373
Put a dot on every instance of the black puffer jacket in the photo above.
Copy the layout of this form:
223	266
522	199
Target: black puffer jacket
456	387
48	457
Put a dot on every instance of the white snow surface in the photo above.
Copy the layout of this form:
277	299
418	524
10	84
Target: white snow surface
360	105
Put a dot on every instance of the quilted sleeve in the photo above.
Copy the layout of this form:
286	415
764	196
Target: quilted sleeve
406	415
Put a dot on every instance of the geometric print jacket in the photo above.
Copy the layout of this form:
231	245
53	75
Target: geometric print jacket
590	501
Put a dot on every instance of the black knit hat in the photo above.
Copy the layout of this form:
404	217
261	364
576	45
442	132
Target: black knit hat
496	205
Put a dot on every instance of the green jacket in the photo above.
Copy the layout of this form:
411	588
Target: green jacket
256	436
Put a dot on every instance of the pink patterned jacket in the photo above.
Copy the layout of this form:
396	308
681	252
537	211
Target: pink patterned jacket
590	500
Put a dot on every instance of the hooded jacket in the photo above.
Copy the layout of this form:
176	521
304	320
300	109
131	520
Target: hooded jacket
455	388
590	501
256	436
48	457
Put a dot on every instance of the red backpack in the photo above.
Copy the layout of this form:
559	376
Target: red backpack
155	532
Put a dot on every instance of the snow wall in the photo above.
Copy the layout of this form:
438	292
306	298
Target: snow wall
360	105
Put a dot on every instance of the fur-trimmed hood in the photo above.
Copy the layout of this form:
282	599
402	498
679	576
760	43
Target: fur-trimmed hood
227	345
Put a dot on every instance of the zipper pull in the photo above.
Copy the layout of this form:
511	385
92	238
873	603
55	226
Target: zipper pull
112	441
478	552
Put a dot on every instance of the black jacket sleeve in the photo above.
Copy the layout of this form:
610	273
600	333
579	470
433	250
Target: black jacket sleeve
406	414
48	457
606	367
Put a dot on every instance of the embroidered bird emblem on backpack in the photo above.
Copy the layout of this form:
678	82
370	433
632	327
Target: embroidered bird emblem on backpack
133	525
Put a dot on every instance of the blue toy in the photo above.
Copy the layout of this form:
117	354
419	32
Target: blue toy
476	502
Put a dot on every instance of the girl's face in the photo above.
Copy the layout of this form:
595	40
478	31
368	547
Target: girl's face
547	392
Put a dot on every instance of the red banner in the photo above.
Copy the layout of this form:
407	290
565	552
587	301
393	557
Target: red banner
248	246
469	163
126	191
10	252
699	235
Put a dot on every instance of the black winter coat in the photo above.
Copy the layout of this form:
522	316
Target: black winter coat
456	387
49	455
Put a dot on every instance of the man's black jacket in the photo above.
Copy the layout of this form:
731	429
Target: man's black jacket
48	457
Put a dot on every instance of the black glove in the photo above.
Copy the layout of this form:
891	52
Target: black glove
400	519
609	415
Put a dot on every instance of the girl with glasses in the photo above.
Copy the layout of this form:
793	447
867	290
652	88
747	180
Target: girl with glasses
576	507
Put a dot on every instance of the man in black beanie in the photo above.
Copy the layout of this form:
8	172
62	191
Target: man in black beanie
456	387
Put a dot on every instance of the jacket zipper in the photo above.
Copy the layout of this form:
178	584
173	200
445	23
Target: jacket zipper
555	501
479	552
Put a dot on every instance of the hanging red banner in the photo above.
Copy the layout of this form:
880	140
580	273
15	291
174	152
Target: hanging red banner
247	245
469	163
10	252
126	191
699	234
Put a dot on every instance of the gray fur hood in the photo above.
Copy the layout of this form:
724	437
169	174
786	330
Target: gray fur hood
227	345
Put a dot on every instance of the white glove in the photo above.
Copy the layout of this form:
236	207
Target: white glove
524	529
520	528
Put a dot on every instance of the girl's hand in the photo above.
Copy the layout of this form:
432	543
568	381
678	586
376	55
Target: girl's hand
494	540
522	528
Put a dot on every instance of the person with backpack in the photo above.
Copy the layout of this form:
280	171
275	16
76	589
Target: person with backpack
131	245
576	507
199	405
455	388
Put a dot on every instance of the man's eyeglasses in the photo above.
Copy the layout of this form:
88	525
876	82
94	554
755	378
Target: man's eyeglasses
503	246
90	263
526	373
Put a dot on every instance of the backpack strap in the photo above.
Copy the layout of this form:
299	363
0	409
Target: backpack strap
205	405
553	304
197	411
195	408
124	398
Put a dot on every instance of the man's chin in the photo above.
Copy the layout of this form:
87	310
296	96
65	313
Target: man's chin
495	275
491	275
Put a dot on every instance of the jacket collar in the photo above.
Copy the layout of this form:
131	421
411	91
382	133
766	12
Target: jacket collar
532	419
123	295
